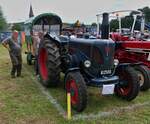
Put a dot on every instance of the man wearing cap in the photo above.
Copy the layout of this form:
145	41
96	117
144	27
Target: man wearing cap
14	48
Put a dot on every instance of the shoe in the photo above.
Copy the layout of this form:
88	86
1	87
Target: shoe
38	77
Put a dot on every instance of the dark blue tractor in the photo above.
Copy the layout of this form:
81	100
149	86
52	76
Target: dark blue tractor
85	62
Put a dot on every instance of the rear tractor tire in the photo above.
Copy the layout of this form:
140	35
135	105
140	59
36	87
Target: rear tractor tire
76	85
49	63
143	73
128	87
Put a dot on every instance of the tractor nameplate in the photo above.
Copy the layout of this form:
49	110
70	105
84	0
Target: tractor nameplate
103	72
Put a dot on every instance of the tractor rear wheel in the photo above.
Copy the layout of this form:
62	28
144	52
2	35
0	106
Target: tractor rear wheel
49	63
76	85
144	77
128	87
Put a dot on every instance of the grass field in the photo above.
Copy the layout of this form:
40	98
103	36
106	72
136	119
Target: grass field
22	102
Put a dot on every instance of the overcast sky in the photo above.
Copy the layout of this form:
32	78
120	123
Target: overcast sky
68	10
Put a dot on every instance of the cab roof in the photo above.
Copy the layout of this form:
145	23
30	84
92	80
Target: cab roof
47	18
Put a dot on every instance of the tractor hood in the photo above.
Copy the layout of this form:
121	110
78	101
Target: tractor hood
99	51
103	53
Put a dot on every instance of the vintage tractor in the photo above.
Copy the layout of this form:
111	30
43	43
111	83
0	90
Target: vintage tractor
85	62
132	49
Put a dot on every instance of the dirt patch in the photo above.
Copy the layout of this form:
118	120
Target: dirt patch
2	104
35	121
5	78
4	119
8	86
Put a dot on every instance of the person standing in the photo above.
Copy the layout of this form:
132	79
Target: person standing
14	48
36	41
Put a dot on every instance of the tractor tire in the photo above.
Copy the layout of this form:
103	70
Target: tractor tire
49	63
29	59
128	87
76	85
144	77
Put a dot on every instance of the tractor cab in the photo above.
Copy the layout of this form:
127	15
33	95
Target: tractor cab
36	27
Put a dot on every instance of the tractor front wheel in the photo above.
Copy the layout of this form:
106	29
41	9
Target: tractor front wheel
143	73
128	87
75	84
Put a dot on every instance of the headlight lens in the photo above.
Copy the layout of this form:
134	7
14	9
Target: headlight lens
87	63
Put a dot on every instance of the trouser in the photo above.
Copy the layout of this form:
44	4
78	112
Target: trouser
36	65
16	64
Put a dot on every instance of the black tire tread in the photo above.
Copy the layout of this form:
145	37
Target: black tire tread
82	90
146	73
53	63
135	85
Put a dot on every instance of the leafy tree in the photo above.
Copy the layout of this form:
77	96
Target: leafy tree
114	24
146	11
94	24
127	21
17	27
3	24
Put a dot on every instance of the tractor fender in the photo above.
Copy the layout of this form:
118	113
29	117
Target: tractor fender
75	69
123	65
59	40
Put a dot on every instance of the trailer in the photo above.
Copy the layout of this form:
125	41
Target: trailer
43	23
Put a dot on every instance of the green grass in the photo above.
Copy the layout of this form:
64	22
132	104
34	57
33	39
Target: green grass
21	101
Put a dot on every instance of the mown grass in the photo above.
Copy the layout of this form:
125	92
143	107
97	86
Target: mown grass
21	101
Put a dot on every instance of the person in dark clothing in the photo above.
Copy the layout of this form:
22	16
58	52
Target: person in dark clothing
14	49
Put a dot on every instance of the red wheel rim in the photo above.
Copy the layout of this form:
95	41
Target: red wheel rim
72	88
43	63
124	90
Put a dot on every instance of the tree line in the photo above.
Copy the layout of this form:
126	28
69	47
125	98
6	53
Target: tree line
3	23
127	21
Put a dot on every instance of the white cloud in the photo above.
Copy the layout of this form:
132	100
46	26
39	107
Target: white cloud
68	10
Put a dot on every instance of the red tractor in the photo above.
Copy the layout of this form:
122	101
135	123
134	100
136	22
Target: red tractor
132	48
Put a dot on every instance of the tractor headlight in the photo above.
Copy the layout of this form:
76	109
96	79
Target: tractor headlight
87	63
116	62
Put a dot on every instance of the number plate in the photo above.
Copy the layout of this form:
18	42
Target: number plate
105	72
108	89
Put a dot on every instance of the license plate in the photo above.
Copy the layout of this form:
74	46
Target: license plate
105	72
108	89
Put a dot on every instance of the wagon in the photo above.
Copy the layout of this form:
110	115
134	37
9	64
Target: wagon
43	23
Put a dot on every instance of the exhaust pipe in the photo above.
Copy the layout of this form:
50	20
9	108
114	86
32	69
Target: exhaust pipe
105	26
